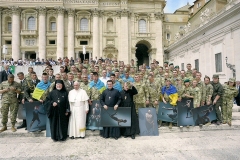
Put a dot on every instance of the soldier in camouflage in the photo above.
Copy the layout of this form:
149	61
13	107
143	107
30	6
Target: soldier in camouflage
202	88
142	98
196	94
84	84
230	92
209	90
9	90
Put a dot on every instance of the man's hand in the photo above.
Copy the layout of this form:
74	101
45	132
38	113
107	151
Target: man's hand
30	100
105	107
87	112
66	113
115	107
41	101
147	102
214	102
6	90
12	88
156	102
23	101
54	104
179	99
208	103
90	102
164	101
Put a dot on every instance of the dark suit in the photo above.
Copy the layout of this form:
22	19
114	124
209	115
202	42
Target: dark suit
52	79
4	75
238	97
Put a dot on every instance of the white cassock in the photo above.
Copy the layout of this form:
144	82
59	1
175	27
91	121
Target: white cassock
78	100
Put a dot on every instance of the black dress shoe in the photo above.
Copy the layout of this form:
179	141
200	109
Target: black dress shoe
133	136
115	138
125	136
82	137
106	137
72	137
24	124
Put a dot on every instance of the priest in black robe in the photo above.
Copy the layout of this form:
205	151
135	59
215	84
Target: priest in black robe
110	98
58	111
127	101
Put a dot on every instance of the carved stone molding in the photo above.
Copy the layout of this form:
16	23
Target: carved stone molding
60	10
95	12
124	13
158	15
15	10
41	10
71	12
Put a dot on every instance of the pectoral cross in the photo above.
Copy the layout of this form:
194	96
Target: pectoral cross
58	100
125	97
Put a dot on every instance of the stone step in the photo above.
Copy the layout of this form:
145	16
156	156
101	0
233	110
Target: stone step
236	108
236	116
164	129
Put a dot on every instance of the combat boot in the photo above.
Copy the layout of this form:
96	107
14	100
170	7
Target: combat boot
13	128
229	123
170	125
4	128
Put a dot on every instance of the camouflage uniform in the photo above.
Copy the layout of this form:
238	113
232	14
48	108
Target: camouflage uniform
202	88
68	86
28	76
189	73
9	101
227	104
154	90
217	90
180	89
187	90
94	94
142	96
196	97
209	92
29	88
84	86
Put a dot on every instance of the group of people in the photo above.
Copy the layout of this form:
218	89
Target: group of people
68	94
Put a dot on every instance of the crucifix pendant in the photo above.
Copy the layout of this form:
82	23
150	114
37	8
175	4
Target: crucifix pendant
125	97
58	101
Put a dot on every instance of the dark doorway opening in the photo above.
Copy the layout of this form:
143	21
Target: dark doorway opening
142	54
82	56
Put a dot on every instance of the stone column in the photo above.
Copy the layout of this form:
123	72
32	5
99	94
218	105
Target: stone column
16	54
1	34
158	40
42	33
95	14
124	40
60	31
71	13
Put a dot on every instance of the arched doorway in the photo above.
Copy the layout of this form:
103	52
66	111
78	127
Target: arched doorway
142	52
81	55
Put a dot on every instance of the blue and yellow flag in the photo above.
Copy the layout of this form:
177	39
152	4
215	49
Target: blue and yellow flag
172	93
99	85
40	89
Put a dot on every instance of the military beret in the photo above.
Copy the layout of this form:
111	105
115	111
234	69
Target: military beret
186	80
176	67
232	80
170	64
215	76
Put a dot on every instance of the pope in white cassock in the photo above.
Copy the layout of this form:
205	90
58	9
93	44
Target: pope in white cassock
78	100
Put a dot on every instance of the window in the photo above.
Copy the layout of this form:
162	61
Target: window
53	26
182	66
197	64
142	26
31	23
52	42
83	42
168	36
8	42
191	10
84	24
198	5
9	26
218	62
109	24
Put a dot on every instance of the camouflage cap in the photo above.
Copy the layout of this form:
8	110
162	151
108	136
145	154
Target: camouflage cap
215	76
232	80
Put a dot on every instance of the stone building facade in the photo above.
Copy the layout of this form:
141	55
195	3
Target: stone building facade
121	29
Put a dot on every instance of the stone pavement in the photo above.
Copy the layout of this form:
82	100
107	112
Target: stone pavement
208	145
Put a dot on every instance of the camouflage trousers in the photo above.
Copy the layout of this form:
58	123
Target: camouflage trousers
218	113
139	105
13	112
227	106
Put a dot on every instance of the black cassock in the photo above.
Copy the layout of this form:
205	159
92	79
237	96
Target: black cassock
110	98
127	101
58	119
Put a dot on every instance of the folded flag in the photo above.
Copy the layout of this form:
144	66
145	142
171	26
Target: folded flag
40	89
99	85
172	93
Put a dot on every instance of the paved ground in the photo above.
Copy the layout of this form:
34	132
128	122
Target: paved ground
208	145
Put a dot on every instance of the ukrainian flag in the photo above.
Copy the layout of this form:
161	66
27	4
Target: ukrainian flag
40	89
172	93
99	85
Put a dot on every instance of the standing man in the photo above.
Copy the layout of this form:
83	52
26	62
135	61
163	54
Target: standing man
28	76
51	76
69	83
110	98
217	97
9	90
202	88
78	100
209	90
104	77
4	74
57	77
